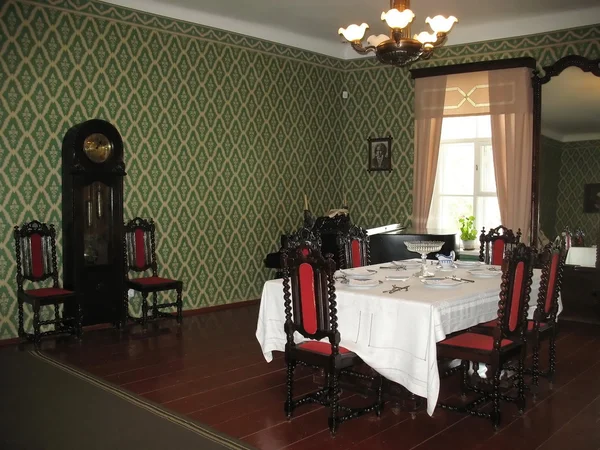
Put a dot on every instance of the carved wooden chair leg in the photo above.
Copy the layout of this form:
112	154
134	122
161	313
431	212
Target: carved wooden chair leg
414	401
380	403
333	398
21	329
155	305
521	381
289	405
495	414
57	325
79	320
36	324
463	378
125	312
552	363
535	368
179	306
144	309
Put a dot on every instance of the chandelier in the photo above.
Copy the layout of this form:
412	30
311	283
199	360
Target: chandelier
399	49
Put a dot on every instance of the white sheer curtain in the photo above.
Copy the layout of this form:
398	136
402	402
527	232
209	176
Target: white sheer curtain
429	113
511	110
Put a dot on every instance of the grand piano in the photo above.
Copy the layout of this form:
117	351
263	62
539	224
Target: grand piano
386	243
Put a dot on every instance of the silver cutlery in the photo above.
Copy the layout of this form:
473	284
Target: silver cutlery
393	267
460	279
396	289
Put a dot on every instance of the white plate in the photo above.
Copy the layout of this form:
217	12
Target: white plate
396	278
407	263
440	282
466	264
359	273
445	267
353	283
485	272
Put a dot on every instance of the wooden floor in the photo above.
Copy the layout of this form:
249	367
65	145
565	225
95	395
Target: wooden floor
213	371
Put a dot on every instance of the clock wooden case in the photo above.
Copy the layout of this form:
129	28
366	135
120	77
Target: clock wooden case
92	207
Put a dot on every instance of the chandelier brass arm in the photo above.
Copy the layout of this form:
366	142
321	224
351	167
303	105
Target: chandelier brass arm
400	49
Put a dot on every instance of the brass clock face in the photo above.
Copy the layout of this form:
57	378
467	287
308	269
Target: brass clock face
97	147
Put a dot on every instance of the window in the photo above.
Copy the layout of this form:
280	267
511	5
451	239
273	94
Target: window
465	183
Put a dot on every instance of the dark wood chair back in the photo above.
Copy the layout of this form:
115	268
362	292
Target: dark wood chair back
140	245
554	255
303	236
495	243
354	248
517	272
35	246
309	295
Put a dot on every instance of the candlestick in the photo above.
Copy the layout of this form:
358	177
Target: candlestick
305	203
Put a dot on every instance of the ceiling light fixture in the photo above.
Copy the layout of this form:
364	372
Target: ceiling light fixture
399	49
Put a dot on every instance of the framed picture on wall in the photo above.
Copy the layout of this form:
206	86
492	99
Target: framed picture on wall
591	198
380	154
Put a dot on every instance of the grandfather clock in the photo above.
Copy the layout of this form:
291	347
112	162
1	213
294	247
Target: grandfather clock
92	208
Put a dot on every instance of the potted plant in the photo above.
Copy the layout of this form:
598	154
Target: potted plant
468	233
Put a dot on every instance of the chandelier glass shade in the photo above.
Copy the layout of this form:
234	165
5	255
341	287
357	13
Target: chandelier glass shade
399	49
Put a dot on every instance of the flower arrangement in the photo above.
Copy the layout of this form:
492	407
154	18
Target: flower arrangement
467	228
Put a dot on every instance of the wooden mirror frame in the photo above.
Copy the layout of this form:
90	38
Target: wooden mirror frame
585	64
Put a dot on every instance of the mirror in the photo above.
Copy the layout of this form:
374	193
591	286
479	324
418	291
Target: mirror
566	153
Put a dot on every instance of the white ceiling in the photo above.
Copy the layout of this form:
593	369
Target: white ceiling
313	24
571	106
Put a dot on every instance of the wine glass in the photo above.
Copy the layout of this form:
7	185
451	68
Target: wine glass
424	247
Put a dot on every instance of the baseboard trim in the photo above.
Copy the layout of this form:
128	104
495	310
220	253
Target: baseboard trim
9	341
186	313
210	309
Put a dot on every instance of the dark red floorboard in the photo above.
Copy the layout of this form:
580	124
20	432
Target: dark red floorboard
212	370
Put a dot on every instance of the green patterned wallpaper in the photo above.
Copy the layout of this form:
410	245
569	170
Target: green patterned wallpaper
550	163
580	165
223	133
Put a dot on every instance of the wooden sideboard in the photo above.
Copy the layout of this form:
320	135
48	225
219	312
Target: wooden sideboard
580	294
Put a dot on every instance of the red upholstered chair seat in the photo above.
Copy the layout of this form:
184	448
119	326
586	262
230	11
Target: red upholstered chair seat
323	348
493	323
474	340
48	292
152	280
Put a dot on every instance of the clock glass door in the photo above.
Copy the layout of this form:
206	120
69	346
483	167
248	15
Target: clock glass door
98	222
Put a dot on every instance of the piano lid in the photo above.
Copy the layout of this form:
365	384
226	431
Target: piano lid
402	229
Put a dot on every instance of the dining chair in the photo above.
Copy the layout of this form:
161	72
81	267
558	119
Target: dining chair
303	236
505	342
311	310
35	248
543	325
354	248
495	243
140	255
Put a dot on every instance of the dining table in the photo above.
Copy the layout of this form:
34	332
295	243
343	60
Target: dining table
396	332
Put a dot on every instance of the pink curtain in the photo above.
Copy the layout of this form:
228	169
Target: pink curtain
429	114
511	110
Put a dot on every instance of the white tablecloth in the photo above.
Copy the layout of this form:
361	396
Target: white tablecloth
395	334
581	256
